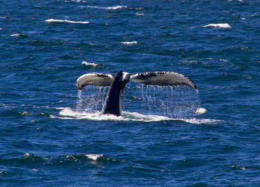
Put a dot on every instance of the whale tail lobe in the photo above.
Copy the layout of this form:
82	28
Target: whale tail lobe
162	78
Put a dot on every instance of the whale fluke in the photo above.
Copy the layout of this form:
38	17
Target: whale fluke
162	78
117	83
97	79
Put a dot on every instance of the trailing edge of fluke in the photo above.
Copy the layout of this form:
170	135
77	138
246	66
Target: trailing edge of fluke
117	83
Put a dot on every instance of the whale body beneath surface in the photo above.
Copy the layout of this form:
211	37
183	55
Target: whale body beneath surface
117	83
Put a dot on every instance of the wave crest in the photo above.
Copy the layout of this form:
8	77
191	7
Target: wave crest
129	42
116	7
219	25
89	64
65	21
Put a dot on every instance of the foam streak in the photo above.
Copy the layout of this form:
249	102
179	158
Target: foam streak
65	21
219	25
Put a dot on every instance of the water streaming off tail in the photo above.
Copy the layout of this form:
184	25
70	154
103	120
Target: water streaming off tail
91	99
170	101
79	101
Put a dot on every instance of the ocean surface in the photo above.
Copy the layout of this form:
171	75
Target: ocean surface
51	134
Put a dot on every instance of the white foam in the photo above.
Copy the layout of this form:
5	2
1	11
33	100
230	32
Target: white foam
94	156
65	21
78	1
89	64
116	7
16	35
129	42
68	113
201	110
139	14
27	155
219	25
200	121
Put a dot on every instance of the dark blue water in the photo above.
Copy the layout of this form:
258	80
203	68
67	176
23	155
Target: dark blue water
43	45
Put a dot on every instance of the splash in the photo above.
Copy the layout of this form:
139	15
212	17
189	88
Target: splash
68	113
92	99
157	104
201	110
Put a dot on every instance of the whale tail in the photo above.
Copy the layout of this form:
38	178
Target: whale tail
118	82
162	78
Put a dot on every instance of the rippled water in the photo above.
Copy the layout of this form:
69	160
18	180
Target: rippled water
166	136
